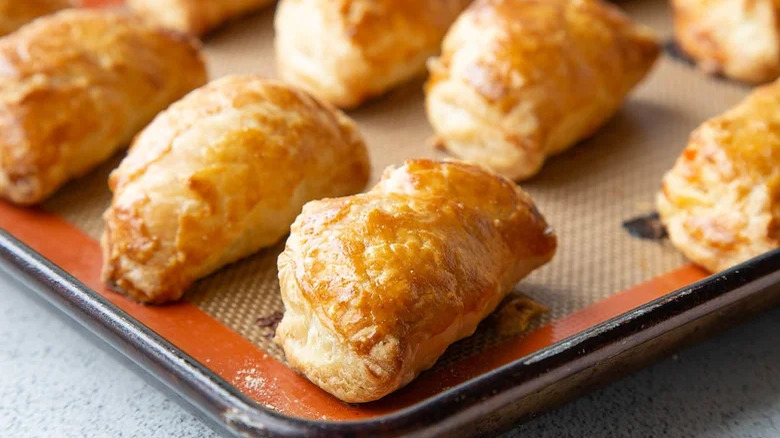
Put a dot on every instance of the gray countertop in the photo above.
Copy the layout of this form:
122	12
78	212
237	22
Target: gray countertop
54	381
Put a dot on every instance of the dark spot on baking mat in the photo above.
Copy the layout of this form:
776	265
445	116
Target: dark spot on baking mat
270	322
647	226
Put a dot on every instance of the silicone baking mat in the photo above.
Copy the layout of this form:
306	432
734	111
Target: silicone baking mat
226	321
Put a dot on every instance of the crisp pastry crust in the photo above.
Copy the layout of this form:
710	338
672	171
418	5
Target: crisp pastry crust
193	16
721	200
376	286
75	87
346	51
219	175
737	38
16	13
520	80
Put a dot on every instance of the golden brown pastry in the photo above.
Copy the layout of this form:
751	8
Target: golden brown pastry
15	13
738	38
193	16
75	87
346	51
219	175
520	80
376	286
721	200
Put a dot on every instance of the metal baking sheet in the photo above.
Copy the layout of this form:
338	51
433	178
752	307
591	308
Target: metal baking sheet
614	300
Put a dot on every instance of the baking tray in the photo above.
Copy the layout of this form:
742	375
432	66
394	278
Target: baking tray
615	302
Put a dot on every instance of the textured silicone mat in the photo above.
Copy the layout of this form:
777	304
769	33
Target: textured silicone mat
585	193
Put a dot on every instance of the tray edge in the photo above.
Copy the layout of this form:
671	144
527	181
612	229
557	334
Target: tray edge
448	412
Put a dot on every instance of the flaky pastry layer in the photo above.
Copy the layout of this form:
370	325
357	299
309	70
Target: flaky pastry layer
737	38
193	16
376	286
721	200
219	175
520	80
74	89
346	51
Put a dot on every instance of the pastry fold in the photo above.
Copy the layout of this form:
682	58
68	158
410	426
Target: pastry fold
520	80
347	51
376	286
74	89
219	175
721	200
193	16
16	13
737	38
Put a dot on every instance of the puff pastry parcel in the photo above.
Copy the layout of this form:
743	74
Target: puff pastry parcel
376	286
75	87
15	13
721	200
520	80
738	38
346	51
219	175
193	16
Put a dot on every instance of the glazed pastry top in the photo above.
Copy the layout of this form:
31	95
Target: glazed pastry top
76	86
220	174
427	240
582	47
